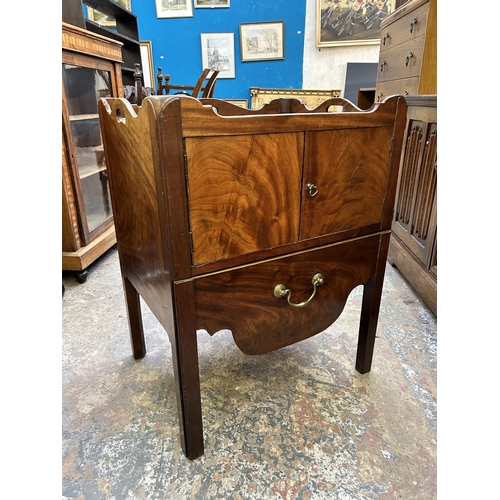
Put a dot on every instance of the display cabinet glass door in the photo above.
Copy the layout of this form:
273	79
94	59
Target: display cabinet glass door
83	86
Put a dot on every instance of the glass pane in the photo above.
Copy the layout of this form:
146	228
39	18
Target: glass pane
84	87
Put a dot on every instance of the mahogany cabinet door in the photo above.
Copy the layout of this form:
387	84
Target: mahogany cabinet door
344	181
244	193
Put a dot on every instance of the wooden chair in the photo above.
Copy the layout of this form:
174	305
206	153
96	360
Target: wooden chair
204	87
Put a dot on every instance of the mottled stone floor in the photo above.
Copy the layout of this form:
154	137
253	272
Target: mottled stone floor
299	423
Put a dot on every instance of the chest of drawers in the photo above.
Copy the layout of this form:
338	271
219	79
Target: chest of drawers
408	51
259	223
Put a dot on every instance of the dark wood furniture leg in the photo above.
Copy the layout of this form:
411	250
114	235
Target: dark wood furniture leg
186	372
134	315
372	294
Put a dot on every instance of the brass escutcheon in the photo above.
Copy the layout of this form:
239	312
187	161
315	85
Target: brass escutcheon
312	189
282	291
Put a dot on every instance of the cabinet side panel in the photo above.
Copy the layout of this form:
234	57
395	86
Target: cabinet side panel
244	193
349	168
128	139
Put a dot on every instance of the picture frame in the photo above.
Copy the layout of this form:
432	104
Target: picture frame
148	74
242	103
174	8
217	53
211	4
350	22
263	41
105	20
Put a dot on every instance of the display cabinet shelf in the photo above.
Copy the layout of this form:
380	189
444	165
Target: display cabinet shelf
124	30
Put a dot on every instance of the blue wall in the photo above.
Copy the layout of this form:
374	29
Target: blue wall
178	41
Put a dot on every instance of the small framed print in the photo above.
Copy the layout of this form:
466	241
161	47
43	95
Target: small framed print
174	8
217	53
105	20
262	41
211	4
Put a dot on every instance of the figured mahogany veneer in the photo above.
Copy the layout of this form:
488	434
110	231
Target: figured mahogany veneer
230	218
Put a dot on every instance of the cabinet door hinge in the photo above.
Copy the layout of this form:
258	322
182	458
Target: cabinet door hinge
185	165
191	244
392	144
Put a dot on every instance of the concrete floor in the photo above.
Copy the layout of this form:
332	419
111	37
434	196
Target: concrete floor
298	423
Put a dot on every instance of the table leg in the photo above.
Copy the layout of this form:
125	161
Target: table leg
186	371
132	300
370	308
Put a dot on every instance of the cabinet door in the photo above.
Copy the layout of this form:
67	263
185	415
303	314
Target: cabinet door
415	210
85	80
344	180
244	193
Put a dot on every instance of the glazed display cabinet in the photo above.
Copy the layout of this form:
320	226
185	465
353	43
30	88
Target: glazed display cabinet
90	70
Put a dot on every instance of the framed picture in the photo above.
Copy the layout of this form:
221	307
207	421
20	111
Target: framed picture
242	103
174	8
211	4
104	19
262	41
350	22
147	64
217	52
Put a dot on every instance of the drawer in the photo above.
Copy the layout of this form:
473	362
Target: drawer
409	27
406	86
403	61
243	299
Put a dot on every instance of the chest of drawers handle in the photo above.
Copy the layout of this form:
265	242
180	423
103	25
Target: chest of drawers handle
282	291
413	24
382	66
386	37
408	58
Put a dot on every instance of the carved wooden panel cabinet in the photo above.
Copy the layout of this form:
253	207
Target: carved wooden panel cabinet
258	221
90	70
408	50
413	247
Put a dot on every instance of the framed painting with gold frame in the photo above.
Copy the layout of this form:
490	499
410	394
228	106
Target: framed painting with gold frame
350	22
242	103
147	63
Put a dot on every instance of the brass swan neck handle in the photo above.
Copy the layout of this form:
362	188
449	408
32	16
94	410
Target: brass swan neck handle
282	291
